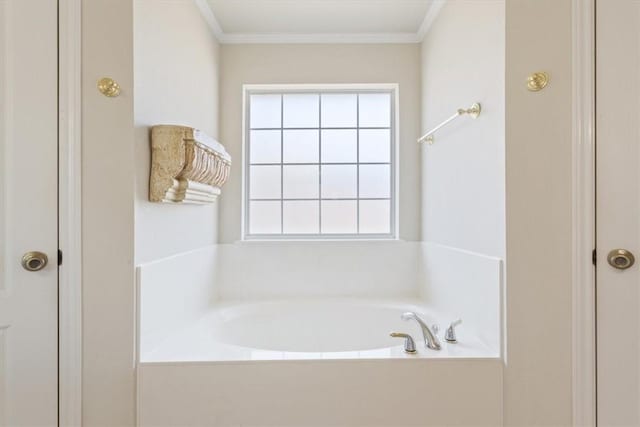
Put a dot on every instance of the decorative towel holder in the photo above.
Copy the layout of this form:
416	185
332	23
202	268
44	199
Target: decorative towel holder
187	166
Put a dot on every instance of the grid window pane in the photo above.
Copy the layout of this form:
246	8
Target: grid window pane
375	110
265	146
339	217
375	216
301	111
301	182
339	182
340	146
264	218
266	111
301	217
375	181
320	164
339	110
375	145
301	146
265	182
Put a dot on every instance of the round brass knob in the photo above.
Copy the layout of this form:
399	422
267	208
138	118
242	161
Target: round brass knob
621	259
109	87
34	261
537	81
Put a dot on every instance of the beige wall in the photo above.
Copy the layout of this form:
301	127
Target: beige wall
266	64
538	162
463	182
176	82
538	371
108	294
539	208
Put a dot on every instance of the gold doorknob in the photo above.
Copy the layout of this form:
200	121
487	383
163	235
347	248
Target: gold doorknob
621	259
109	87
34	261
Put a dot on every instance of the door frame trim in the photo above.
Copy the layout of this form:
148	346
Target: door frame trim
583	147
70	213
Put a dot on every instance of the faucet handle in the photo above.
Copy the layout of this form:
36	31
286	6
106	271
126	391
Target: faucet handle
450	334
435	328
409	344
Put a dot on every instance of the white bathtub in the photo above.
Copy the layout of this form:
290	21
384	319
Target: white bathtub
336	328
309	362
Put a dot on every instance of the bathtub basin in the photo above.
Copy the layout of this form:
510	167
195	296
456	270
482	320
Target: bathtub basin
311	326
336	328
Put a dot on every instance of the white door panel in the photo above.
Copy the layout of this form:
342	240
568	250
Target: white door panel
28	211
618	210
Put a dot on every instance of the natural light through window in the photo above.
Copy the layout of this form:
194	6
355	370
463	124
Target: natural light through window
319	163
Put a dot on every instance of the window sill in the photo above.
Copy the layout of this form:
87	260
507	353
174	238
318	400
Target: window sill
311	241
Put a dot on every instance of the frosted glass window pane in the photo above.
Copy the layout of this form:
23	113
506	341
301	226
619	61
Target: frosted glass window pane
339	111
301	217
301	111
301	182
301	146
340	217
339	182
375	217
265	146
375	110
375	146
266	111
339	146
264	182
264	218
375	181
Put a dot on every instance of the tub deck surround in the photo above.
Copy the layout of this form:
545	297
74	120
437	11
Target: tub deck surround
309	329
354	393
187	166
188	314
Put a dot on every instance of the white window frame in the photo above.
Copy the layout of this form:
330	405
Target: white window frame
252	89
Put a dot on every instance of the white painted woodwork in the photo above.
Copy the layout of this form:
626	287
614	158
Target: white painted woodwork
28	212
70	214
584	225
618	207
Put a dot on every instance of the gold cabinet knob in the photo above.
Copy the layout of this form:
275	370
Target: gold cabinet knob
537	81
34	261
109	87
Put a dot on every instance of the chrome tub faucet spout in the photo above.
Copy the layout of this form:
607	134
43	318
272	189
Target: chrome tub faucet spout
430	339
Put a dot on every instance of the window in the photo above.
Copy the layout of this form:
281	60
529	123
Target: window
320	163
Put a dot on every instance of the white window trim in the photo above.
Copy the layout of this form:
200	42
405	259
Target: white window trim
395	157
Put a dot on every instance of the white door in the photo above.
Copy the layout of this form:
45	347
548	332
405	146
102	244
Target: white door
28	212
618	211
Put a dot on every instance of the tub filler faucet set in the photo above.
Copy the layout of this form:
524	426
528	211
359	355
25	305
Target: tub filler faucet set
430	335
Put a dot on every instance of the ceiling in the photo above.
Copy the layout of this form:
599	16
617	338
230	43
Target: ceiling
288	20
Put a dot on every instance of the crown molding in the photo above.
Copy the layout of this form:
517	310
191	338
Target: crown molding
210	18
432	13
318	38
